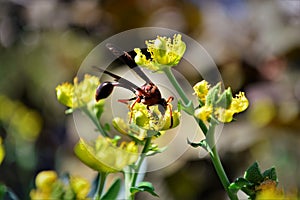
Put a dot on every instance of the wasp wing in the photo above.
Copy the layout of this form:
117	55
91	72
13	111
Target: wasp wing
122	82
128	60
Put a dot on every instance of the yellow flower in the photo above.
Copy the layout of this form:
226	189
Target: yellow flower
79	94
268	190
38	195
80	186
153	119
2	151
217	104
105	156
224	115
45	180
164	52
64	93
239	103
201	90
204	113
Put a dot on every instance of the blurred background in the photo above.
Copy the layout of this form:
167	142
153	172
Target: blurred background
255	44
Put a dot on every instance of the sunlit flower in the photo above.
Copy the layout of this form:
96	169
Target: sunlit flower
239	103
80	93
201	90
104	155
64	93
2	151
204	112
219	105
164	52
153	119
224	115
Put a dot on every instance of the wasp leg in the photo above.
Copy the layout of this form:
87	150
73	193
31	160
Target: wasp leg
126	100
170	108
170	99
137	100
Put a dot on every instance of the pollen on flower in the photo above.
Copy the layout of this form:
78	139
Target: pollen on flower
153	119
239	103
201	90
77	94
204	113
224	115
164	53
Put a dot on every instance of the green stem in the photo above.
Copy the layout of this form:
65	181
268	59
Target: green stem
208	132
136	170
100	185
174	82
140	161
95	121
217	163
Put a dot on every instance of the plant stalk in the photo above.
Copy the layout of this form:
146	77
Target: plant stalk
209	133
217	162
100	185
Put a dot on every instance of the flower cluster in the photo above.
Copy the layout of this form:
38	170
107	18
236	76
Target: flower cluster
216	104
49	186
105	155
78	94
164	53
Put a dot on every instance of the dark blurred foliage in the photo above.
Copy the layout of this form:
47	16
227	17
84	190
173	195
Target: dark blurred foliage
254	43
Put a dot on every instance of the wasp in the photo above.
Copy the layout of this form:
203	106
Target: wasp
148	94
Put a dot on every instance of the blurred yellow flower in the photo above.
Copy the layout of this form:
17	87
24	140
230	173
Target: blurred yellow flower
268	190
164	53
80	186
45	179
201	90
49	187
26	122
2	151
105	156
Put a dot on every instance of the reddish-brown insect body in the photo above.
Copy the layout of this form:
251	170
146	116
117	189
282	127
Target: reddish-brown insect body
147	94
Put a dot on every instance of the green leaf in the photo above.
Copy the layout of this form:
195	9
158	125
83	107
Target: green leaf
202	144
238	184
225	99
212	95
155	151
270	174
253	174
144	187
113	191
250	192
